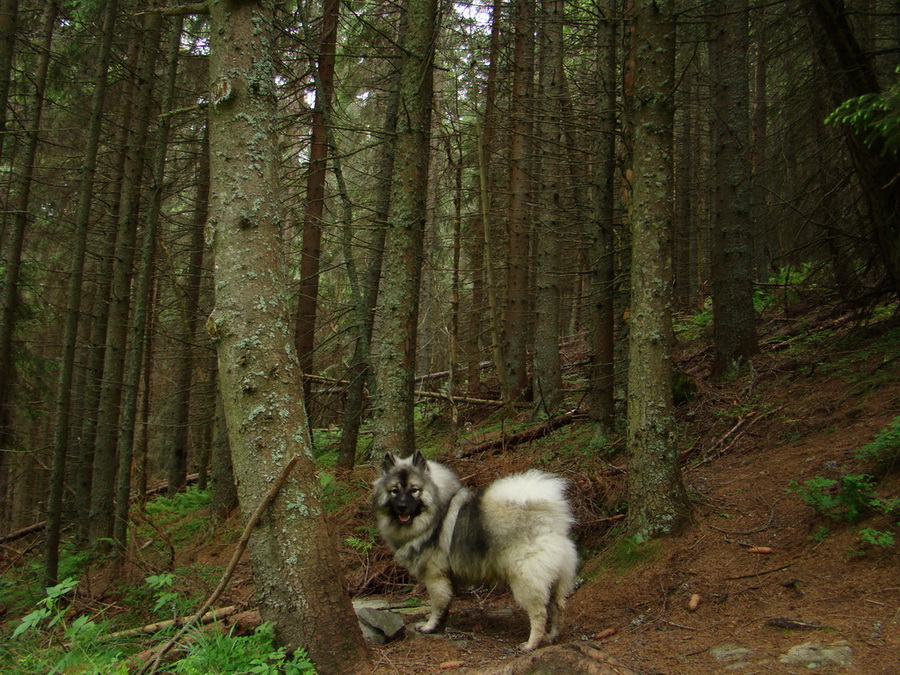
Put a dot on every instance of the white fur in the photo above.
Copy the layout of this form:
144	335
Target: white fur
526	520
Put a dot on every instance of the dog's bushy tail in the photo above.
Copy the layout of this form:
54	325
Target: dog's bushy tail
532	502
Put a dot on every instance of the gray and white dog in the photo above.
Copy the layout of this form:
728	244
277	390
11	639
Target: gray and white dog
514	532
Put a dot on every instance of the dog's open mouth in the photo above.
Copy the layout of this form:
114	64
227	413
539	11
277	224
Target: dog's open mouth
404	518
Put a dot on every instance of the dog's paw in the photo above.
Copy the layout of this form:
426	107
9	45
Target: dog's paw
528	647
428	627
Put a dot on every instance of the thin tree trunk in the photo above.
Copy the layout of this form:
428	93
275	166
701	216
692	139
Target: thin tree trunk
311	251
292	551
103	485
656	499
190	313
601	319
9	14
516	309
73	301
21	204
399	306
142	287
360	365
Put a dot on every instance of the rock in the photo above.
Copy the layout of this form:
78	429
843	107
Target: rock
380	626
814	655
729	653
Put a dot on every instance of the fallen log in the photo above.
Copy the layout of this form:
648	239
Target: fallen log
500	444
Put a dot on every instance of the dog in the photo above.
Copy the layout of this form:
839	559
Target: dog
515	531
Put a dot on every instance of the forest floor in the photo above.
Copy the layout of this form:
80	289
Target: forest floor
769	572
802	412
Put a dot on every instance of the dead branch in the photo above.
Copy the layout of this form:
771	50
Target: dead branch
229	571
24	532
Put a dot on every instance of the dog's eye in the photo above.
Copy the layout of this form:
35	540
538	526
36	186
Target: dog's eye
395	491
414	491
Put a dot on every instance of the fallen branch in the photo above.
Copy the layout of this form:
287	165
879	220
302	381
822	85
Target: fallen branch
24	532
526	436
229	571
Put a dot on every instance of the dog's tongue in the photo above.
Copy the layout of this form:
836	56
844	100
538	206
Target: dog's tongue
404	519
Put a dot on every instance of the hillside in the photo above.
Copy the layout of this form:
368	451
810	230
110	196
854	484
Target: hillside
769	571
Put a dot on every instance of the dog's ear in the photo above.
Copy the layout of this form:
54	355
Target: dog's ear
418	460
388	462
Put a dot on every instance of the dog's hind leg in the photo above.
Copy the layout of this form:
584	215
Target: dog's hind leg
554	610
440	593
534	601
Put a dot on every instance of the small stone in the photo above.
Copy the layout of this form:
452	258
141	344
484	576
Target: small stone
729	653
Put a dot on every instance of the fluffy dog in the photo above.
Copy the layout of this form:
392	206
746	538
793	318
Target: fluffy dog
514	532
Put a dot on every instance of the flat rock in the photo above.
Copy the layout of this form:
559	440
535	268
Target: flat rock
729	653
815	655
575	658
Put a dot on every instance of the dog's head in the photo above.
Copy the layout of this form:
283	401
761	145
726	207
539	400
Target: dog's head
402	486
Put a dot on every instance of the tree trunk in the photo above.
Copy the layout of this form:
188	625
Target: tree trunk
9	14
190	313
292	551
103	485
734	319
360	369
399	307
516	309
546	368
600	316
142	292
656	497
311	251
73	301
21	203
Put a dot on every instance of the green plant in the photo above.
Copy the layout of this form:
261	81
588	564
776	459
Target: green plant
162	584
879	538
213	653
820	535
847	499
885	448
874	117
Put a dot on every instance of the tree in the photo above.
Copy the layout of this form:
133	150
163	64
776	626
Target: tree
399	305
734	318
292	552
656	499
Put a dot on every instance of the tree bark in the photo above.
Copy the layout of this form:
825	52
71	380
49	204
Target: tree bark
516	308
292	551
311	250
734	319
73	301
656	497
600	316
399	306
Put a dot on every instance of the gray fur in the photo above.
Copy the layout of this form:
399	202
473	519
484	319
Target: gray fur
514	532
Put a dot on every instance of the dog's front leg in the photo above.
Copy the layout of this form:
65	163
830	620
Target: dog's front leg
440	592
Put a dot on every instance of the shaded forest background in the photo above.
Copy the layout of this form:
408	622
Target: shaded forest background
107	280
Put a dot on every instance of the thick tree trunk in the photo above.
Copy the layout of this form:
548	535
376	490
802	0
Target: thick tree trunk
399	306
292	550
734	319
656	498
9	14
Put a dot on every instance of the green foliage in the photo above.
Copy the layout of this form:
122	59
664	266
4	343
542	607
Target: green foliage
213	653
629	552
874	117
879	538
337	493
847	499
182	504
885	448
